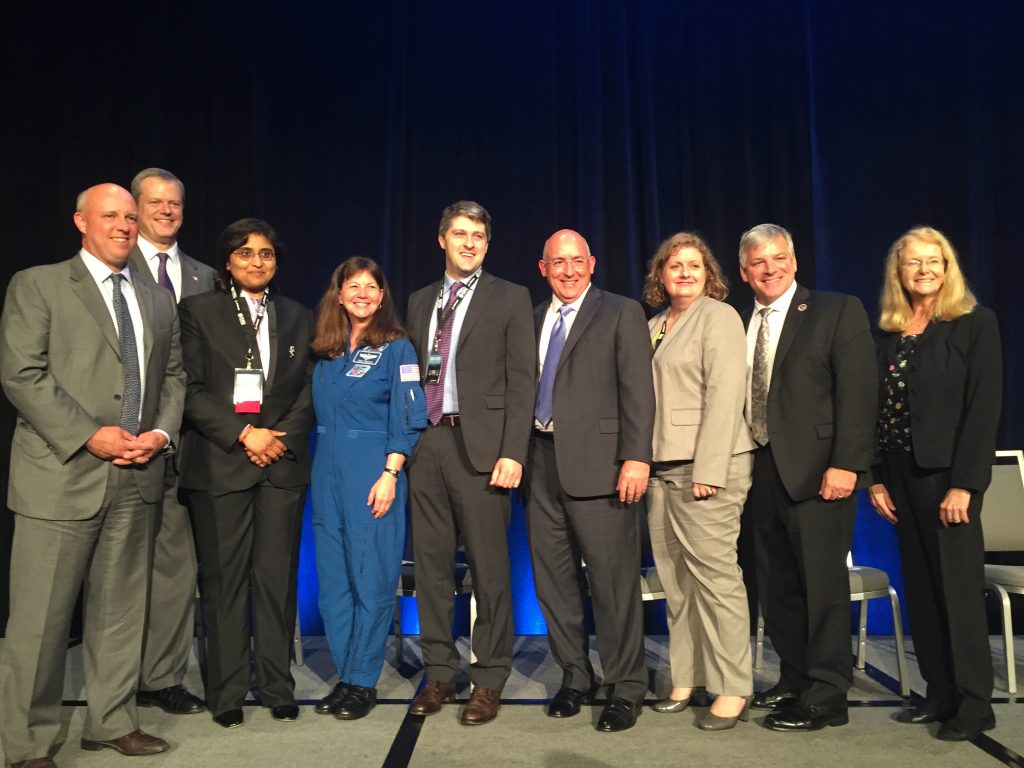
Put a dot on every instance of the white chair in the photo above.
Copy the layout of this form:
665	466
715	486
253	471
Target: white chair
865	584
1003	527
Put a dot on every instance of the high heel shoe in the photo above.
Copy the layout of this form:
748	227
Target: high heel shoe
698	696
713	722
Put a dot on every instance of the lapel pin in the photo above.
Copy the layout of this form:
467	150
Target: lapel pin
291	351
801	308
196	278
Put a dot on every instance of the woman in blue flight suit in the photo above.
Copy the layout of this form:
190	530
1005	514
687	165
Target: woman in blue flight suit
369	411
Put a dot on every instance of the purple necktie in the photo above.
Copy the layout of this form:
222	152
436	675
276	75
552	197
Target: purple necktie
435	392
162	277
546	385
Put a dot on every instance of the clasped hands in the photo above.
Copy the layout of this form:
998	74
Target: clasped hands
262	445
120	447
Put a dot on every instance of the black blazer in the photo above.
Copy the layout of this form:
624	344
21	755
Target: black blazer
822	402
955	381
495	370
603	400
213	345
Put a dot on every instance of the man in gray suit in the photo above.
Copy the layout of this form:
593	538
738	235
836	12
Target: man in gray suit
589	464
170	618
90	357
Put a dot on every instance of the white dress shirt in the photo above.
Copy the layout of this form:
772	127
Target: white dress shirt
451	388
263	337
151	253
550	318
776	319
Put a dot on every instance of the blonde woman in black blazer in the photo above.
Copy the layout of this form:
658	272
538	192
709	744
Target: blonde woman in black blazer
700	478
941	385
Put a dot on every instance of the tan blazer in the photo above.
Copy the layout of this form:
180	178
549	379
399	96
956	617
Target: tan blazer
700	382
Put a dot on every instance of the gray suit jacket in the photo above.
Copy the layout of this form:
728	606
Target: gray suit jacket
603	398
61	368
700	380
196	277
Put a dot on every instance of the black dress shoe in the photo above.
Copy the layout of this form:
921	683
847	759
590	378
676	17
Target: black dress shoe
567	702
286	713
328	705
357	703
618	715
950	732
805	718
229	718
775	698
175	700
926	713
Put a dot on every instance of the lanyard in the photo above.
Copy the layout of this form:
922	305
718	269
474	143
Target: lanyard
261	310
443	314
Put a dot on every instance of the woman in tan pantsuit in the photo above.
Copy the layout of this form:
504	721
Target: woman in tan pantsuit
700	478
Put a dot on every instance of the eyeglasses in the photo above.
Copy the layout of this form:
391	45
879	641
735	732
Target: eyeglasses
559	265
932	264
247	254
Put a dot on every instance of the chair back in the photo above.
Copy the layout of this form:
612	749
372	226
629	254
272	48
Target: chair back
1003	511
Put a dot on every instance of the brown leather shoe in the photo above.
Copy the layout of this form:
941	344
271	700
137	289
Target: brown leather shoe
134	744
429	700
482	706
35	762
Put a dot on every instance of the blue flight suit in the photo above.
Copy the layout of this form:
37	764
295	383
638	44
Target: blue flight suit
368	404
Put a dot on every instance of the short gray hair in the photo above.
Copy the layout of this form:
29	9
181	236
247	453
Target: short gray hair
471	210
761	234
154	173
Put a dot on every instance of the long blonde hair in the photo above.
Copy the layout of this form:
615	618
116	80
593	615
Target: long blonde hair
953	300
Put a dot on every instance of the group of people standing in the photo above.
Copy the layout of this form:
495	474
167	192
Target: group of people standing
764	421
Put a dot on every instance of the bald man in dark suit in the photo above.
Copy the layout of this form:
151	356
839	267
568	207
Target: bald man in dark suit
589	464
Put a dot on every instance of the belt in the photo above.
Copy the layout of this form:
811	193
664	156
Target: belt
448	420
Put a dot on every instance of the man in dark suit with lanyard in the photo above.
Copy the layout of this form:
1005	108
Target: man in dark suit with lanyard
473	336
589	463
812	407
156	257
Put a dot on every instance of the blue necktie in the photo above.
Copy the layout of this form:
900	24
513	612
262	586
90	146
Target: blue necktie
547	377
132	399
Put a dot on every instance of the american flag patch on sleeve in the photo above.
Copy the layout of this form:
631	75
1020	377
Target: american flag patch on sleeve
410	372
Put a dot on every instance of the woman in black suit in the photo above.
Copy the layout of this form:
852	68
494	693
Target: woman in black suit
245	466
941	386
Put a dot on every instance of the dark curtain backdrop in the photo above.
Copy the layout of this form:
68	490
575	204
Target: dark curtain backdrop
351	127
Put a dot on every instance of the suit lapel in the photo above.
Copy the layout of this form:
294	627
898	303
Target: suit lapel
147	308
189	275
676	331
272	323
794	319
587	311
85	288
481	297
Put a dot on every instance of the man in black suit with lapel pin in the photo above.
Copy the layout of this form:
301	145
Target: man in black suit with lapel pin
170	615
589	464
473	336
812	409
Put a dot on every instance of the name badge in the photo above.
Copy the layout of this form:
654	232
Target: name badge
367	357
358	370
248	393
433	368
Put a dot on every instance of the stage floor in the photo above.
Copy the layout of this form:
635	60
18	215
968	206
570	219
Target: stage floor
523	736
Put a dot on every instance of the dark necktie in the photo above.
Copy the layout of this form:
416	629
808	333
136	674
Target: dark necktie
435	392
546	386
162	278
759	382
132	399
